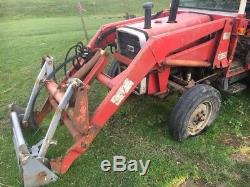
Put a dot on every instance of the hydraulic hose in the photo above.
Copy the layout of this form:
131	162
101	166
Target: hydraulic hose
80	52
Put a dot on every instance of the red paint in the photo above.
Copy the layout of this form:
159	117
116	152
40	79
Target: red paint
161	25
195	38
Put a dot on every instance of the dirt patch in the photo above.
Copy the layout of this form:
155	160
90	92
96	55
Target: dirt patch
196	183
241	144
243	155
235	141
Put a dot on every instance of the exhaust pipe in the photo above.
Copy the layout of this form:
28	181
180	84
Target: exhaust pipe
173	11
148	9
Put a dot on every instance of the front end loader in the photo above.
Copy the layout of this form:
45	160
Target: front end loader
197	48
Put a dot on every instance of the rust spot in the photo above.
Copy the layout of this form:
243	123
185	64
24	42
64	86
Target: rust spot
80	113
25	124
84	145
41	176
56	164
47	107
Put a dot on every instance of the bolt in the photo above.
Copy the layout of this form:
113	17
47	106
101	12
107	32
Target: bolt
25	124
42	175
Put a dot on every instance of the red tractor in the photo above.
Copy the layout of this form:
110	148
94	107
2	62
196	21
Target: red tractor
199	48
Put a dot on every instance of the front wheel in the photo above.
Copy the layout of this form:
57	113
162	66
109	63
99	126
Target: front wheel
195	111
115	69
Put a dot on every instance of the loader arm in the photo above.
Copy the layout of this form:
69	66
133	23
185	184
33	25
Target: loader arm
124	84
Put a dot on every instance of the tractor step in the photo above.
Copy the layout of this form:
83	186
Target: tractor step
237	65
235	88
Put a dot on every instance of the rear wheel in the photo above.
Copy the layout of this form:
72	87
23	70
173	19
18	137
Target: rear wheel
195	111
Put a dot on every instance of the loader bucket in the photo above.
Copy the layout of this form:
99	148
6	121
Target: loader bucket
33	170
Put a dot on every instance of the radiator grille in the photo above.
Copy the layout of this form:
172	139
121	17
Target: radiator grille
129	44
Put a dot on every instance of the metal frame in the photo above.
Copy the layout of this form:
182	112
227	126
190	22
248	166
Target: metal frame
154	61
47	69
32	161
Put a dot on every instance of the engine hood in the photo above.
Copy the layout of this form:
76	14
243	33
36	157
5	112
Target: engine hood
161	25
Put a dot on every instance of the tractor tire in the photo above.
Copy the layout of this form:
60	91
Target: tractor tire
114	69
195	111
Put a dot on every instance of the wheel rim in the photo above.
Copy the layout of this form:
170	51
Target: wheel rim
199	118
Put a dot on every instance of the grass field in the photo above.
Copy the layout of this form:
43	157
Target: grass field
31	28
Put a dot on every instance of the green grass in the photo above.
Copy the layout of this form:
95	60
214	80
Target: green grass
31	28
17	9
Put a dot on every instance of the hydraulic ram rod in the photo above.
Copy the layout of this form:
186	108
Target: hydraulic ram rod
55	120
89	65
18	136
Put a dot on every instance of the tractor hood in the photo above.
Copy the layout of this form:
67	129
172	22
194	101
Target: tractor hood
161	25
